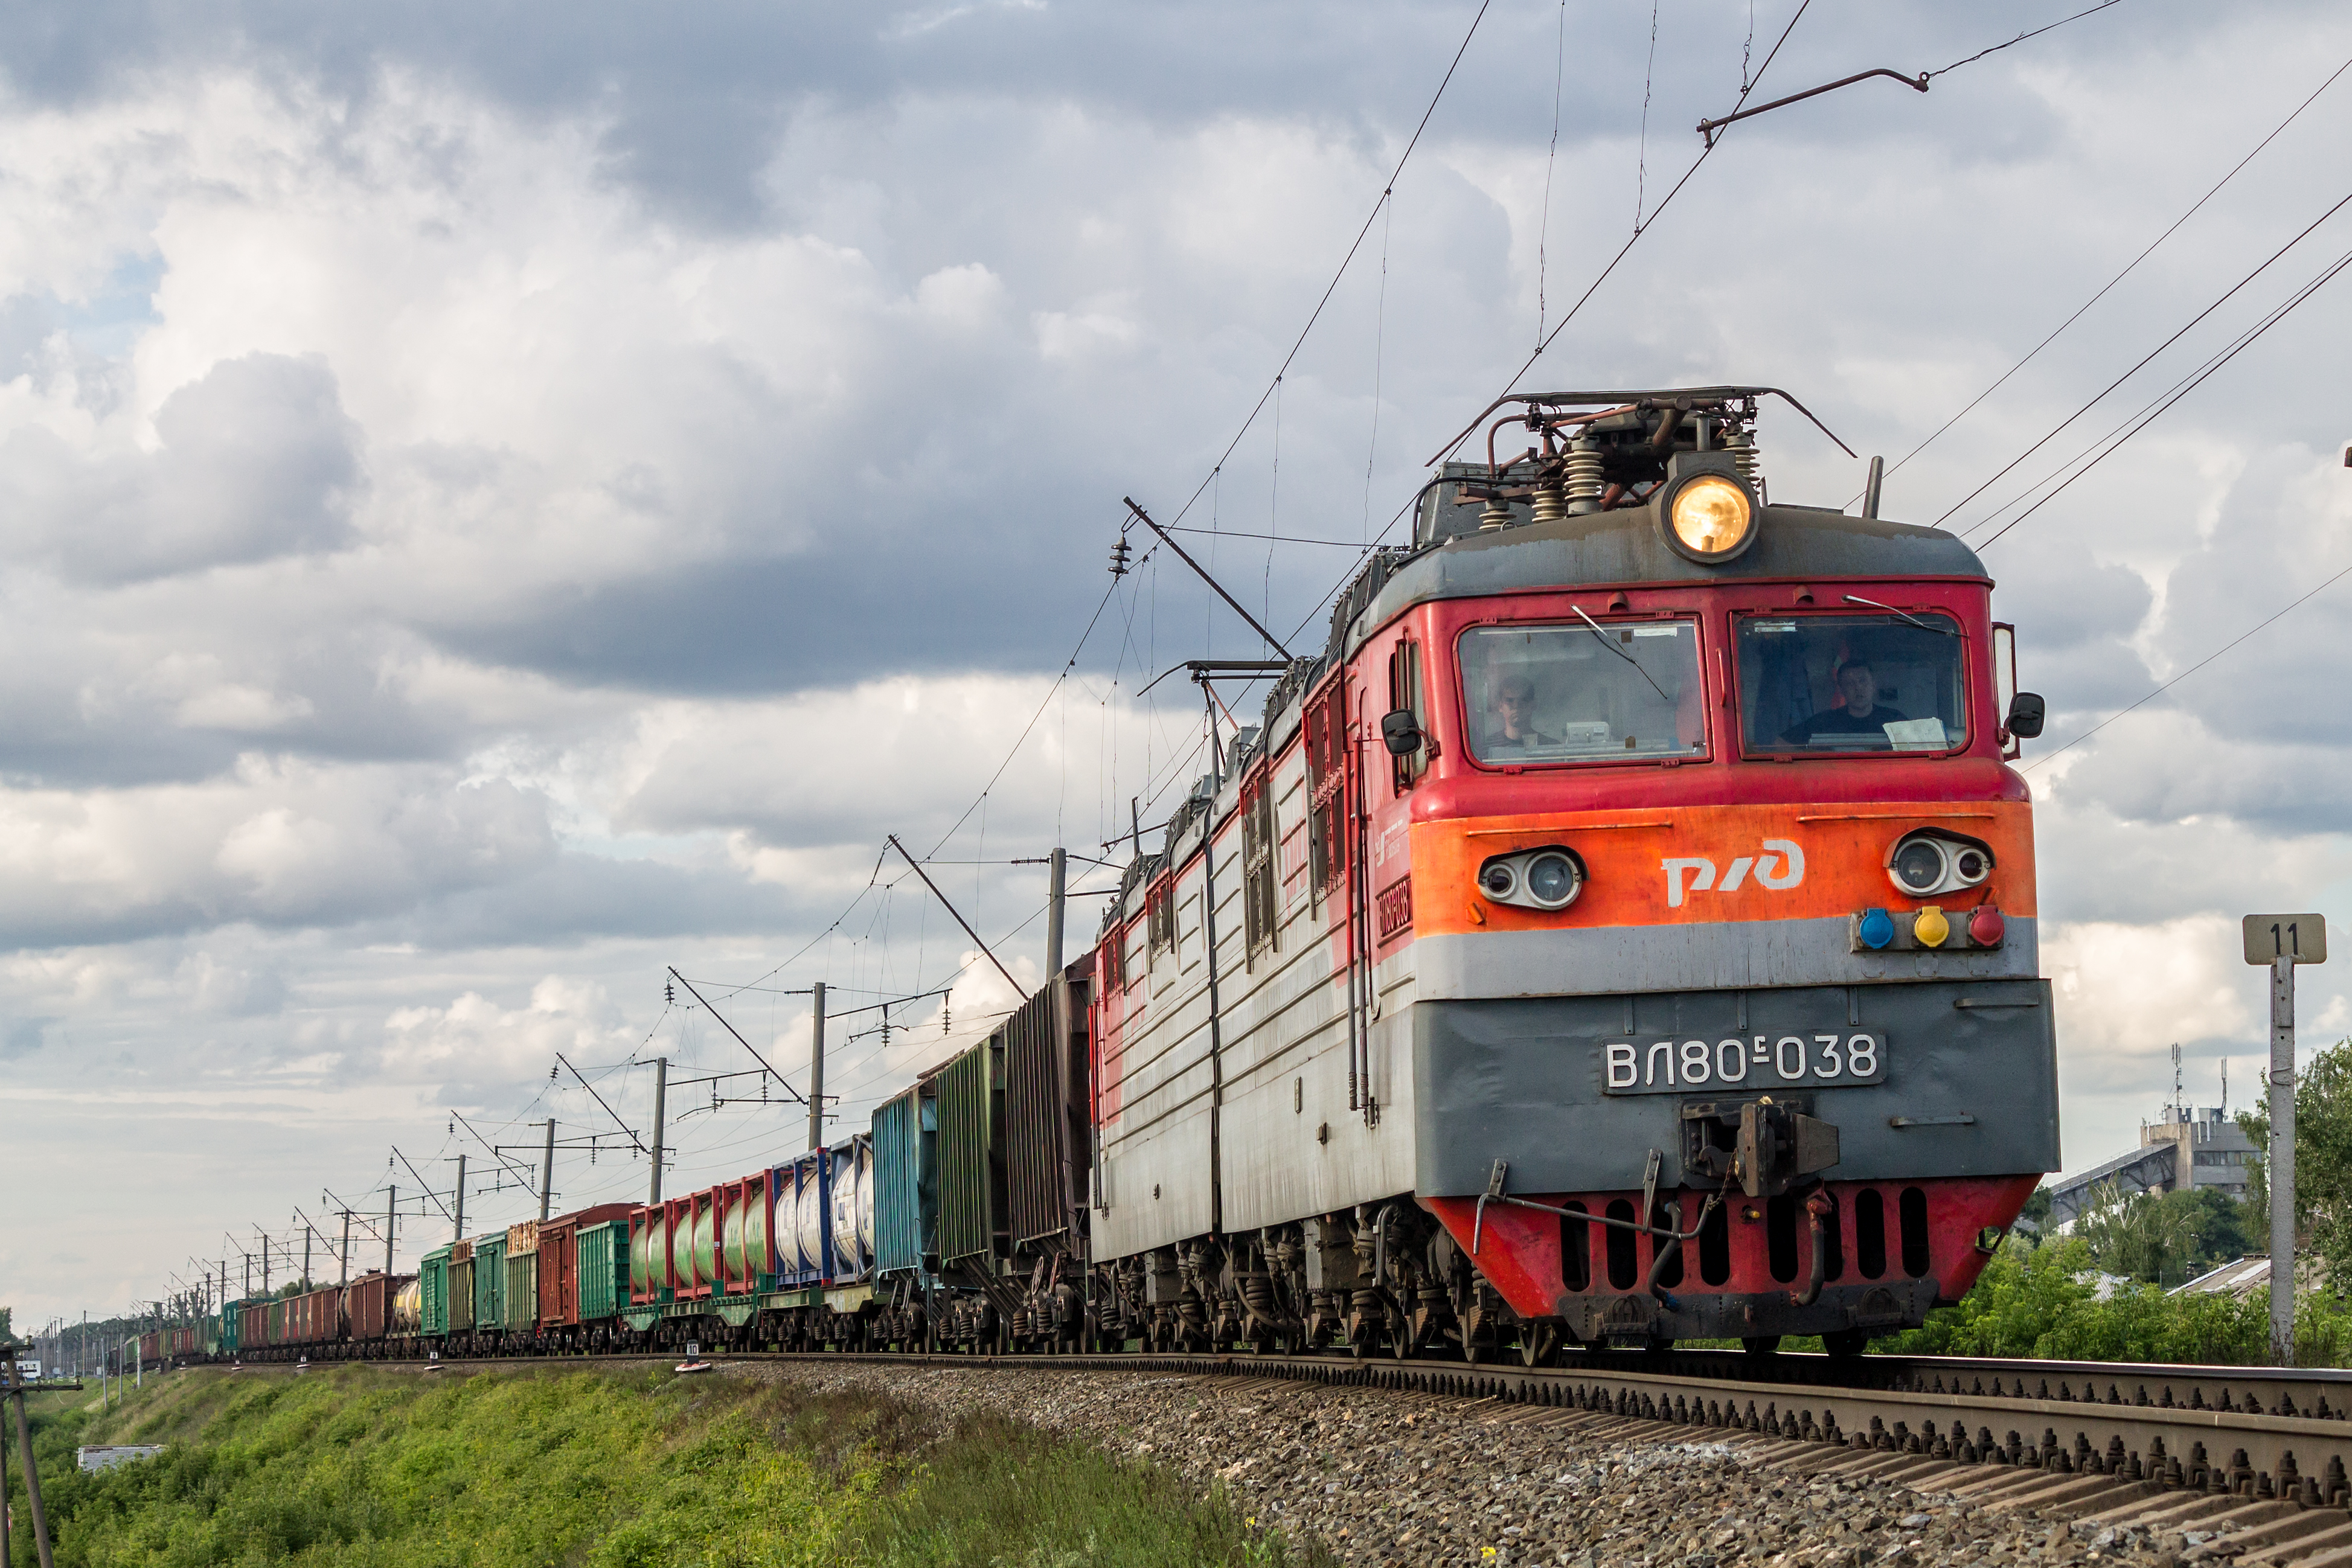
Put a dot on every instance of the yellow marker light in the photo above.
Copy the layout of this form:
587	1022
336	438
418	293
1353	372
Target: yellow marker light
1930	928
1712	517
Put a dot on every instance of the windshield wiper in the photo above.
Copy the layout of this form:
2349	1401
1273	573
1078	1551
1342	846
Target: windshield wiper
1923	625
1621	653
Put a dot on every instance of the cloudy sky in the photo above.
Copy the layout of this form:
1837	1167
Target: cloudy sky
500	501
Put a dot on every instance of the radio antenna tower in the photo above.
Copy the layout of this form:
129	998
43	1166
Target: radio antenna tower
2176	1081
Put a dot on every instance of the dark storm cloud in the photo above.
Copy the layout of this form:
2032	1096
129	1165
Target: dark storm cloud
698	96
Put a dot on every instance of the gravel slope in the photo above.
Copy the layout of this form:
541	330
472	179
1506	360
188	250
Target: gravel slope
1410	1479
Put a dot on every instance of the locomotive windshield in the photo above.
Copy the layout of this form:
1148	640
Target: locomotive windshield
1816	683
1590	691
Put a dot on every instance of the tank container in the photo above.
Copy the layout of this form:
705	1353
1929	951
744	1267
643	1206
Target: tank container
851	1219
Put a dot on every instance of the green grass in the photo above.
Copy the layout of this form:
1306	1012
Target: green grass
599	1469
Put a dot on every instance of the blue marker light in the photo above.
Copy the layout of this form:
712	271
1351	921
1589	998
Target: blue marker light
1878	928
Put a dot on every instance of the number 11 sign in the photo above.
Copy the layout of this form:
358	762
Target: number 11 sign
2297	938
2278	943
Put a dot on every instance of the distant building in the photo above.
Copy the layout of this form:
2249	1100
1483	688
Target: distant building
2217	1149
2189	1147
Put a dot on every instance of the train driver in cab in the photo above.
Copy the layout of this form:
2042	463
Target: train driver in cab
1511	724
1859	712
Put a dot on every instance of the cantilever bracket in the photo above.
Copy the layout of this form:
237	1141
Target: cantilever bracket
1708	128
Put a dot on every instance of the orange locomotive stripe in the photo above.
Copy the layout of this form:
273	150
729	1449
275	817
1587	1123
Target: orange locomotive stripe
1705	864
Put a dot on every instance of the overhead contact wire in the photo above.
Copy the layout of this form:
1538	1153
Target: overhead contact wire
2227	295
2128	268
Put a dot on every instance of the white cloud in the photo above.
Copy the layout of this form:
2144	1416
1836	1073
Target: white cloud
2126	993
473	1041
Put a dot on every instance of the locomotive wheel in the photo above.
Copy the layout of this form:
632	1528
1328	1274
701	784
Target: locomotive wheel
1762	1344
1846	1342
1538	1344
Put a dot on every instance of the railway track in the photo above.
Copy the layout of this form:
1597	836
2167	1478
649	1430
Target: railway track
2260	1453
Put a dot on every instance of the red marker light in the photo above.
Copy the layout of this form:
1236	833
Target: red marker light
1986	926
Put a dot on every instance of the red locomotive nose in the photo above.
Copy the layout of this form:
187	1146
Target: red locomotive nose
1985	926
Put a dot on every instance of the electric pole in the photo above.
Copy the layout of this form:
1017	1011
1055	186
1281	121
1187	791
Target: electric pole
391	1224
1055	887
661	1093
459	1218
547	1172
816	1070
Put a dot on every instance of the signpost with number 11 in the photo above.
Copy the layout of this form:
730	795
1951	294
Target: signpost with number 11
2278	943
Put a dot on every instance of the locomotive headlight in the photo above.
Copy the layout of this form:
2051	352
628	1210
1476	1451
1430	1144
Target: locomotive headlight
1919	867
1710	517
1930	860
1552	880
1548	879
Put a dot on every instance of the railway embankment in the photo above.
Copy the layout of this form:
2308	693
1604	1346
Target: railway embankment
606	1467
1387	1477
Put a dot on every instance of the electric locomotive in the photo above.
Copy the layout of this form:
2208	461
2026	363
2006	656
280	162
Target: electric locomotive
1623	932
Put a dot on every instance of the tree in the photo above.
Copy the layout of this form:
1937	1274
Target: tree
2166	1238
2322	1158
7	1329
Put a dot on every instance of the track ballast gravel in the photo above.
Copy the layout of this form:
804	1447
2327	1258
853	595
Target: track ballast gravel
1411	1479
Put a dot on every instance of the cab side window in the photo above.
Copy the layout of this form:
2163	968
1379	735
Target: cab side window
1407	691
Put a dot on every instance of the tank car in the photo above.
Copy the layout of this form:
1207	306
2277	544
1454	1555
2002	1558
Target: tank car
1623	932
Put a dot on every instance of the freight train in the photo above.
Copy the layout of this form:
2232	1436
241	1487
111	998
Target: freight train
1622	932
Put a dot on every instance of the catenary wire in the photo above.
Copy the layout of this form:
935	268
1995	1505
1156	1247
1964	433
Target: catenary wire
2128	268
1640	228
1387	191
2273	617
2053	433
2182	389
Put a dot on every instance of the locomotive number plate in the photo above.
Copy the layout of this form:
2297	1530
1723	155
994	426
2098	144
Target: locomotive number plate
1822	1061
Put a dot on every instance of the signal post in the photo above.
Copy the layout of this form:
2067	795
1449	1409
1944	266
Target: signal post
2278	943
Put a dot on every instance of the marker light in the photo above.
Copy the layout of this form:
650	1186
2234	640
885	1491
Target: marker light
1711	518
1878	928
1930	928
